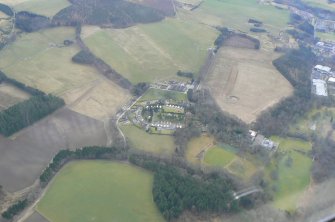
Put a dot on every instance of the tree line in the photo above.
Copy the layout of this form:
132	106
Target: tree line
6	9
30	90
15	209
296	66
28	112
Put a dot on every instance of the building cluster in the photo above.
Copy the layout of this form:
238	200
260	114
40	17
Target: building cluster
173	85
324	25
326	49
260	140
323	81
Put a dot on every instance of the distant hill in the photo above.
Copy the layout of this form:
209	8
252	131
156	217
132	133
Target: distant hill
115	13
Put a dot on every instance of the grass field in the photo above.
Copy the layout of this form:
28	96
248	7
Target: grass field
293	179
320	4
100	191
157	144
326	36
236	13
152	52
238	78
42	7
219	156
156	94
38	60
196	146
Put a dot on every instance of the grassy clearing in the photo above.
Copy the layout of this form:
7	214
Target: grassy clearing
152	52
42	7
236	13
100	191
320	4
326	36
292	181
156	94
242	168
293	178
38	60
196	146
316	121
139	139
219	156
288	144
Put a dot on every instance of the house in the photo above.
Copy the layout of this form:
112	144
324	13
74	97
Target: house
331	85
319	87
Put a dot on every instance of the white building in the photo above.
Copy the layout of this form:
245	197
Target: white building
320	87
321	68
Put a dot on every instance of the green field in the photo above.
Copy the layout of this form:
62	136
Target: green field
42	7
100	191
236	13
157	144
152	52
326	36
292	179
320	4
219	156
156	94
40	60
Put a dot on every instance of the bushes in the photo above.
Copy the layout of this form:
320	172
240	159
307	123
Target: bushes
27	112
83	57
15	209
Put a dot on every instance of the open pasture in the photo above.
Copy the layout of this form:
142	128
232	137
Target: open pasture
236	13
40	60
35	146
326	36
101	191
100	100
42	7
153	52
157	144
244	82
219	156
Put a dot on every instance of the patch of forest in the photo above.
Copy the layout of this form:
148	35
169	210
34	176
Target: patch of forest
30	22
116	13
26	113
6	9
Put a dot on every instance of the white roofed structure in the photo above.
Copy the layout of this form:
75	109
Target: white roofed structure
323	68
320	87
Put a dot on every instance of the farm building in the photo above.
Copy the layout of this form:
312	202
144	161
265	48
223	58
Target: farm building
323	69
319	87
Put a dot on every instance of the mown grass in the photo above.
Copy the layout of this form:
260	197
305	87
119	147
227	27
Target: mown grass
153	52
157	144
219	156
100	191
42	7
236	13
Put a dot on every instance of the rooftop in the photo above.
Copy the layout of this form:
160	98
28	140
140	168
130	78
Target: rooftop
320	87
323	68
